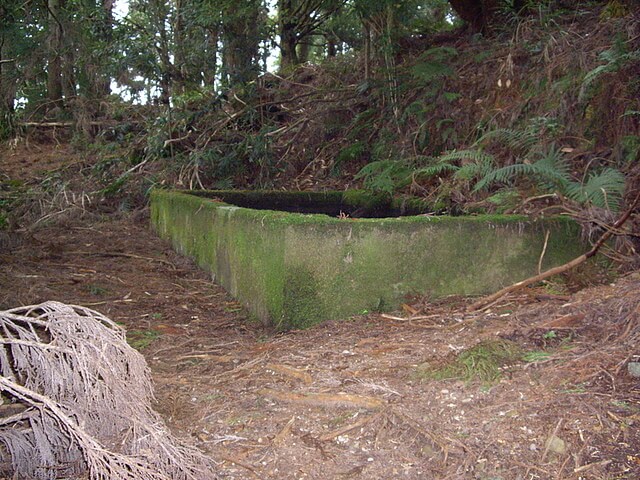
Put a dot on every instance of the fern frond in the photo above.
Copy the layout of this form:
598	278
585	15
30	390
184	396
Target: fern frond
604	189
435	170
504	175
520	141
551	172
385	175
616	59
475	156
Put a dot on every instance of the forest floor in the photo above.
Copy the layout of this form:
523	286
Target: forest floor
355	398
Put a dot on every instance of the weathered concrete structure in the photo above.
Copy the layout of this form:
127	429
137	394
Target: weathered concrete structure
293	270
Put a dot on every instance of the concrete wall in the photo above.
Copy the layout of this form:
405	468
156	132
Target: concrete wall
294	270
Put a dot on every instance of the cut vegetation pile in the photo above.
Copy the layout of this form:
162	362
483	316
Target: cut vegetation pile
77	400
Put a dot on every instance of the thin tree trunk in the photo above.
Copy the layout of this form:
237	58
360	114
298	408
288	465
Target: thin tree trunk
288	38
303	50
7	81
103	83
54	47
179	62
211	59
366	31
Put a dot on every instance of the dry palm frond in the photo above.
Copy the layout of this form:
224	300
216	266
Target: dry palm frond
86	398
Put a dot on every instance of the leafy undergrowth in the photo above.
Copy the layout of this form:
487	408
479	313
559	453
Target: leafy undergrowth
541	118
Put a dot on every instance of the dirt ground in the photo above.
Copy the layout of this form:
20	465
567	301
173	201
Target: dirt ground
346	399
354	398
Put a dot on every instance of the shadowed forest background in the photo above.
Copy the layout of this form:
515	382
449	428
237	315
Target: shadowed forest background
473	105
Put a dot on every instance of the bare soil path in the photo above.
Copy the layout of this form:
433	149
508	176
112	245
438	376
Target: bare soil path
347	399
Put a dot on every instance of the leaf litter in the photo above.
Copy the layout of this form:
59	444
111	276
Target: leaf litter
295	405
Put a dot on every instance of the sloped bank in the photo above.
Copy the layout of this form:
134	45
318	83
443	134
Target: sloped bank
293	270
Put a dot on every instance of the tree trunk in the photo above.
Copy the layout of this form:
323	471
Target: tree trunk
103	82
303	50
180	58
366	33
54	48
210	66
288	36
332	47
241	41
7	81
478	14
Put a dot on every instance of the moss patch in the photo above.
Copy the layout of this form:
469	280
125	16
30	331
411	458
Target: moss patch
292	270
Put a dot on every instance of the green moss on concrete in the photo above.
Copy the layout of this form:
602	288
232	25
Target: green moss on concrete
293	270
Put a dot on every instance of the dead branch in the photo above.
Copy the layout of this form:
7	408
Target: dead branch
560	269
324	399
86	397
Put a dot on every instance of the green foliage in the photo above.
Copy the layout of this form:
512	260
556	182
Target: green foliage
484	362
385	176
518	141
141	339
505	200
349	154
544	166
97	290
550	170
535	356
603	189
434	64
629	149
616	58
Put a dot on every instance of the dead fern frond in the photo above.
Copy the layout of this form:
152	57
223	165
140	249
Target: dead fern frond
86	398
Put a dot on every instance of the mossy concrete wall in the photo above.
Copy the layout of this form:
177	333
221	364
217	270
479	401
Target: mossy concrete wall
293	270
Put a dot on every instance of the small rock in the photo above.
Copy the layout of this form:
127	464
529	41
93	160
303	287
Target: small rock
634	369
556	445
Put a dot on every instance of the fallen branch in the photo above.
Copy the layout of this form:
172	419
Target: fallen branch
291	372
324	399
560	269
124	255
347	428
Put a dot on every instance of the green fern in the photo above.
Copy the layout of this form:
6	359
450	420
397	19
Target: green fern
604	189
616	58
435	170
385	175
519	141
434	64
479	164
551	171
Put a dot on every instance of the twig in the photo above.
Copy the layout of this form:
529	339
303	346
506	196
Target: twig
544	249
554	434
402	319
175	140
560	269
125	255
583	468
243	465
324	399
347	428
277	440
